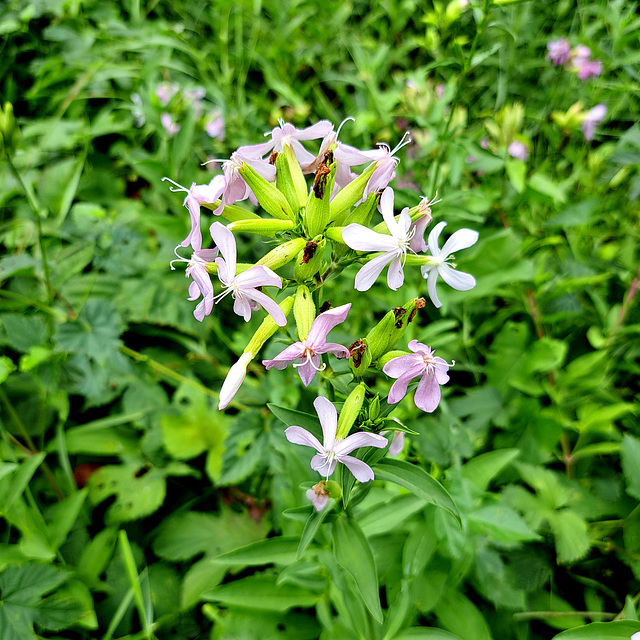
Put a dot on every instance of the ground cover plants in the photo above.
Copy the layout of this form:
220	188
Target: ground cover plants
319	320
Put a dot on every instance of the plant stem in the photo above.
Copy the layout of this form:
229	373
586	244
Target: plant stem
466	67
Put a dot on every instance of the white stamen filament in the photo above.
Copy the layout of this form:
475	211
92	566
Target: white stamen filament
178	187
308	355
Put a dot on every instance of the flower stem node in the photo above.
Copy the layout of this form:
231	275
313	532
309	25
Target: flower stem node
350	411
269	197
282	254
309	261
261	227
304	311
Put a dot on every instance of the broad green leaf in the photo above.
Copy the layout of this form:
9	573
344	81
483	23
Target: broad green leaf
6	367
618	630
571	534
460	616
311	526
575	214
546	354
631	464
482	469
24	332
544	184
63	515
260	592
98	552
264	625
353	553
280	550
297	418
385	517
501	524
418	481
12	486
517	171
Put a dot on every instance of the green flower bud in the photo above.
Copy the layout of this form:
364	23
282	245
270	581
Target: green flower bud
232	212
282	254
333	489
335	234
297	177
362	214
309	261
304	311
350	411
318	205
7	126
266	329
360	357
347	197
284	181
262	226
270	199
374	408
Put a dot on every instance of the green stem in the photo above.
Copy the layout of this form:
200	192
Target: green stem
35	207
466	67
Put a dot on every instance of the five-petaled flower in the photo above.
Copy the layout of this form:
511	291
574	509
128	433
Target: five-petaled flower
431	369
461	239
309	349
243	286
333	450
201	285
395	246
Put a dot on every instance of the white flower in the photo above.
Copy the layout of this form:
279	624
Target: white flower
234	379
394	246
462	239
332	451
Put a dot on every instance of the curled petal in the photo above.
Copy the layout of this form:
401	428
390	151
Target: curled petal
328	417
298	435
397	444
369	273
457	279
419	228
194	292
324	323
195	236
335	349
461	239
242	307
399	387
361	470
203	308
427	395
285	358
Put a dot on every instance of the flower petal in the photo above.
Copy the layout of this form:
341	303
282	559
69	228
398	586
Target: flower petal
298	435
461	239
357	440
431	285
399	387
319	463
227	244
404	364
419	228
395	274
328	417
361	470
335	349
397	444
286	357
318	130
233	381
258	276
369	273
427	395
434	238
457	279
242	307
269	305
307	371
324	323
361	238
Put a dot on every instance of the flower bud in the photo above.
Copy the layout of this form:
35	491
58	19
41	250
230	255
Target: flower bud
284	181
374	408
304	311
232	212
360	357
309	261
270	199
7	126
318	205
267	227
350	410
282	254
267	328
349	195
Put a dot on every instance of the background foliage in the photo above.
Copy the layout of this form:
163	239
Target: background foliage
123	492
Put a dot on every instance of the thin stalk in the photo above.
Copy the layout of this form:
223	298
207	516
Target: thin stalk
466	67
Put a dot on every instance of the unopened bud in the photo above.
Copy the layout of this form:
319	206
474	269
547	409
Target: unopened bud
360	357
7	126
318	210
232	212
374	408
282	254
309	261
350	411
304	311
267	194
267	227
284	181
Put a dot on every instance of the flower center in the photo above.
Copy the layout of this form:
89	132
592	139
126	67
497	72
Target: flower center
308	359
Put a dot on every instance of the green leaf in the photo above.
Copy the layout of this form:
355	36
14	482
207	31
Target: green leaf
546	354
63	515
501	524
575	214
572	536
517	171
315	519
260	592
482	469
263	625
6	367
13	486
631	464
24	332
280	550
543	184
297	418
424	633
617	630
418	481
353	553
460	616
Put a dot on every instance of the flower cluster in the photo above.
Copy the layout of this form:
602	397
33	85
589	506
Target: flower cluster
578	59
333	213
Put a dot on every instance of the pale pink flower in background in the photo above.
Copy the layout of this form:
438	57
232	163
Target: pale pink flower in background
201	285
244	286
332	451
233	381
432	371
394	246
580	55
461	239
136	112
287	135
196	195
165	92
440	91
397	443
215	125
169	125
308	351
410	84
593	118
559	52
484	143
318	496
195	96
590	69
518	150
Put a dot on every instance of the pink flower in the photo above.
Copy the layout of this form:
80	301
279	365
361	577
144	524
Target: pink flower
518	150
198	194
169	125
484	143
397	443
589	69
165	92
318	495
559	52
394	246
244	286
432	371
309	350
593	118
332	451
201	285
